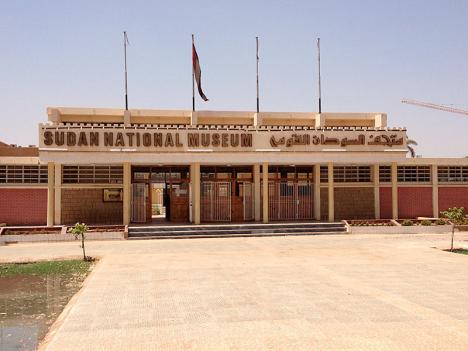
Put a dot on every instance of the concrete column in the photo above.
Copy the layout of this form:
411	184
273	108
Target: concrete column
194	118
257	192
50	194
58	194
317	192
376	175
127	117
127	195
435	191
380	120
257	121
195	184
394	190
331	193
319	120
265	191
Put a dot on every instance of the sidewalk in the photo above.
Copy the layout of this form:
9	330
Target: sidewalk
288	293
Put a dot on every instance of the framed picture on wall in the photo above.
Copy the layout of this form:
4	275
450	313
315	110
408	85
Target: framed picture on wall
113	195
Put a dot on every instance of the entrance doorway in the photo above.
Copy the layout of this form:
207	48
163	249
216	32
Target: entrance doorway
160	194
290	193
226	194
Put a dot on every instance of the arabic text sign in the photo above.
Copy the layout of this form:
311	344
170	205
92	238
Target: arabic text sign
229	140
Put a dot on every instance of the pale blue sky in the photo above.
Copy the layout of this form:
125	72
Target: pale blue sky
374	53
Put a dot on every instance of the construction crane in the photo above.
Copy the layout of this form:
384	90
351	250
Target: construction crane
435	106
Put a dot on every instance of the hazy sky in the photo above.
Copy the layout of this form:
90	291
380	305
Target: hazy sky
374	53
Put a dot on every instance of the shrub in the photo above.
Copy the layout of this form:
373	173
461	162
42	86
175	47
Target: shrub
455	215
426	222
440	222
407	222
79	230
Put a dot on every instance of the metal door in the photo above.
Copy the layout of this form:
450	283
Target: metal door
215	201
290	200
139	202
248	200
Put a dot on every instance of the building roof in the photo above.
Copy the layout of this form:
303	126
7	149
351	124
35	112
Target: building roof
18	151
58	115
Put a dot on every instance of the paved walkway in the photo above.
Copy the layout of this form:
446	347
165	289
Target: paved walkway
284	293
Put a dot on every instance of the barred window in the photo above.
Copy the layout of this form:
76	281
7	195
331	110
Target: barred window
352	174
385	174
323	174
414	174
453	174
92	174
23	174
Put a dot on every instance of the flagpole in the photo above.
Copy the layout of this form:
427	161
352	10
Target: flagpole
258	100
193	77
319	78
125	58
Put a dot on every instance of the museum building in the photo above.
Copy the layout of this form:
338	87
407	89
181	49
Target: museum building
113	166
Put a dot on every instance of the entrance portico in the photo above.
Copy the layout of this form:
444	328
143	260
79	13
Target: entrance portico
218	166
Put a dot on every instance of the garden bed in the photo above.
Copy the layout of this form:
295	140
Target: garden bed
390	226
40	234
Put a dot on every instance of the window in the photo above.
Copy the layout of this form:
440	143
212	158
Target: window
352	174
92	174
22	174
418	174
453	174
323	174
385	174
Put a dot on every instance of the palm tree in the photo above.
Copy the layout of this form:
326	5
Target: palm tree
411	150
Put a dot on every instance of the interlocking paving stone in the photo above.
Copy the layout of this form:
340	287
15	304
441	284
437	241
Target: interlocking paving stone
356	292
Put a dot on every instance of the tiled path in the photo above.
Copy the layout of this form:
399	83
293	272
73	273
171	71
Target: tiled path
358	292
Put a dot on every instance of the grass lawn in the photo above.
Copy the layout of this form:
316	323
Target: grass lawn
461	251
45	268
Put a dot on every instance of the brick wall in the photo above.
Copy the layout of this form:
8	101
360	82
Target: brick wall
23	206
324	203
414	202
453	197
237	209
386	202
354	203
179	209
86	205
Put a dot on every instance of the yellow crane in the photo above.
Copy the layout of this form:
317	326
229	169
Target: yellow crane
435	106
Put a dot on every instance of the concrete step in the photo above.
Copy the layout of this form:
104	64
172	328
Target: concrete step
239	231
174	228
229	235
236	230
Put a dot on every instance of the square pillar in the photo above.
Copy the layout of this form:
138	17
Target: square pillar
195	186
331	193
127	195
50	194
265	191
319	120
317	192
257	192
435	191
394	190
58	194
376	175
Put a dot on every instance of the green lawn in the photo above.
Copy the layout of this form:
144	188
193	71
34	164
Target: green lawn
461	251
45	268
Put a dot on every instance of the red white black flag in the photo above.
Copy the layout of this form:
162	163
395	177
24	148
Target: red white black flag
197	72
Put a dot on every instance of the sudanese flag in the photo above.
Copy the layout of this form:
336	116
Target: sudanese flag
197	72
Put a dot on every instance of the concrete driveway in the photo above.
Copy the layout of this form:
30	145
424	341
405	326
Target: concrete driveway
362	292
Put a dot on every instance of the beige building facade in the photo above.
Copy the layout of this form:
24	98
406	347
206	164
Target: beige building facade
154	166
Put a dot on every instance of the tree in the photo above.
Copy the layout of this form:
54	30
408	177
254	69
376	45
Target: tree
411	149
79	230
457	216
